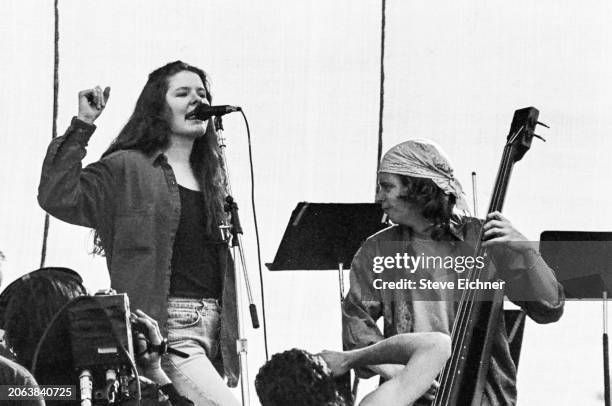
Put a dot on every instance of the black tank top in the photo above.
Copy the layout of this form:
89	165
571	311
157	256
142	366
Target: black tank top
195	260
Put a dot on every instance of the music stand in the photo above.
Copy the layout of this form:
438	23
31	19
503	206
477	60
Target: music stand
582	262
326	236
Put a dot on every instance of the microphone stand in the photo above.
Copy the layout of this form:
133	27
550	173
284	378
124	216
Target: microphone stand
235	230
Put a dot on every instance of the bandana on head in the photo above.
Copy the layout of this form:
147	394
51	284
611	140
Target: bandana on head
424	159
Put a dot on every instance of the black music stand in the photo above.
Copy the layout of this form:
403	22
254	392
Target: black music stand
326	236
582	262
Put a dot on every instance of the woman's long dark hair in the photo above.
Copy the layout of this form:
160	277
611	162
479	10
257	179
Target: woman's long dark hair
147	130
436	205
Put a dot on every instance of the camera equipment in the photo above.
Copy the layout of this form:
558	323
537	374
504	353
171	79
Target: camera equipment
95	337
102	347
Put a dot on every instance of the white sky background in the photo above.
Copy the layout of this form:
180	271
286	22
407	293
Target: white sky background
307	76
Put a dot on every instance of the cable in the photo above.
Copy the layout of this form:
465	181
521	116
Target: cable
261	285
126	354
46	333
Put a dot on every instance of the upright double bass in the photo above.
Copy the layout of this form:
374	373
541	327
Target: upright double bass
463	378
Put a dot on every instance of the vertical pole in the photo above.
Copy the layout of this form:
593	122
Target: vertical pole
241	343
43	253
475	194
381	100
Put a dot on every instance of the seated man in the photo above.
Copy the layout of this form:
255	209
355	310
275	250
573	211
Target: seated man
298	378
422	197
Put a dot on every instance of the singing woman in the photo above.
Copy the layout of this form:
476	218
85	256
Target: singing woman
155	200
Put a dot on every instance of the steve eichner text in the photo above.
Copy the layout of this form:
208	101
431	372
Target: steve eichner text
411	263
426	284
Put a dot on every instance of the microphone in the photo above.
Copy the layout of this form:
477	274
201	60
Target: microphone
204	111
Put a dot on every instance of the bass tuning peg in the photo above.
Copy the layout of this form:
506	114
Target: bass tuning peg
540	137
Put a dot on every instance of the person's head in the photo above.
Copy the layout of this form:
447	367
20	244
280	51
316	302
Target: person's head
31	302
297	378
170	93
417	186
157	114
186	89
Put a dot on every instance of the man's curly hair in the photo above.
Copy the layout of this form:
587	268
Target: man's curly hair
436	205
294	378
